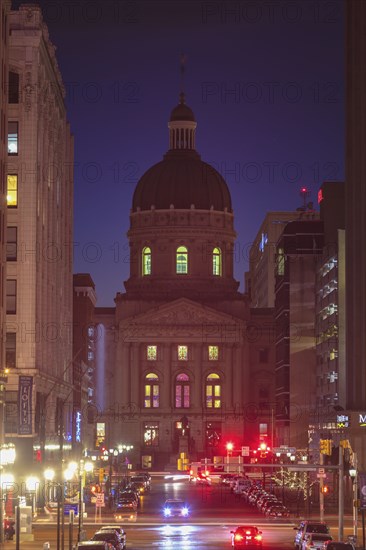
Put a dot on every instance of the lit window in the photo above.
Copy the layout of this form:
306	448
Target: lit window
182	391
182	353
213	353
11	244
146	261
11	296
12	191
151	399
151	434
213	391
182	260
216	262
151	353
12	138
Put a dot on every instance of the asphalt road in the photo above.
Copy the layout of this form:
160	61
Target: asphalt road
214	513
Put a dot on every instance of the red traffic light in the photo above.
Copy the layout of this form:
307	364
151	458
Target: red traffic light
229	446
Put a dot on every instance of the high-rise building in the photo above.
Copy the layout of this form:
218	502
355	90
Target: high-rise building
298	249
262	256
4	52
39	243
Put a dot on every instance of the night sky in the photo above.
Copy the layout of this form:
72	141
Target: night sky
265	80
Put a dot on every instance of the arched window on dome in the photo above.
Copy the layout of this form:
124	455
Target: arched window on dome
152	391
182	391
146	261
216	262
213	391
182	260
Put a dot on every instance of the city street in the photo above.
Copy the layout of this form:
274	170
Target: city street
215	511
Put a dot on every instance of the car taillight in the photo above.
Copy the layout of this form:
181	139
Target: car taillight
258	537
238	537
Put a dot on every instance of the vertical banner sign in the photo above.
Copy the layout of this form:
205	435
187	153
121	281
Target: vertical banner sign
362	486
25	405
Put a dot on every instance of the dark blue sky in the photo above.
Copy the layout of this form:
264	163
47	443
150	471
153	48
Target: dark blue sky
264	79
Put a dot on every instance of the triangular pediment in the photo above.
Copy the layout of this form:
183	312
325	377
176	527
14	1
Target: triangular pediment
181	318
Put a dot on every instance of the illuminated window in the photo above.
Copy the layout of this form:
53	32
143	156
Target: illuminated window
11	244
151	399
12	191
12	138
216	262
146	261
11	296
182	353
213	353
151	434
182	260
151	353
182	391
213	391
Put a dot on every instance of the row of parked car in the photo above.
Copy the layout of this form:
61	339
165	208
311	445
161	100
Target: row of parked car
315	535
253	493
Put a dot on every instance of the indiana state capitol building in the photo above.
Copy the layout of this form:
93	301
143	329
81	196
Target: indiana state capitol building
193	365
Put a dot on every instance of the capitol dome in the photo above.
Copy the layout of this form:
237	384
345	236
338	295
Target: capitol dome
182	180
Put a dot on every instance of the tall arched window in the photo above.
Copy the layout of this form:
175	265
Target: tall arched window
213	391
182	260
216	262
146	261
182	391
151	397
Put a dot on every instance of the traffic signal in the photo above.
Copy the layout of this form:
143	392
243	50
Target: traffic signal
326	446
325	489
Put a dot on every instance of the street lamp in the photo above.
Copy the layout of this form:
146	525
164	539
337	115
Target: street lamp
354	477
84	467
31	484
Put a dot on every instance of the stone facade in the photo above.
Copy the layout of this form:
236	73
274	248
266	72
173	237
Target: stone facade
39	269
193	365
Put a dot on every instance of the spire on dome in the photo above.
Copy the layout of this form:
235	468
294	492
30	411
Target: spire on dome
182	124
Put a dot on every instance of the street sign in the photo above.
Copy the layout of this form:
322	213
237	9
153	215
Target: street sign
68	507
321	475
99	503
245	451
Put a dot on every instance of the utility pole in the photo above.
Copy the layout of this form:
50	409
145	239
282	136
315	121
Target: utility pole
355	496
340	494
321	486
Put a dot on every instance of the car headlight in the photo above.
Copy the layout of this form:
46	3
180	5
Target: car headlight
185	511
167	511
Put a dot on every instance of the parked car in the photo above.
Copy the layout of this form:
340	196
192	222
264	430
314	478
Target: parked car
246	536
307	526
95	545
110	536
315	541
121	532
277	511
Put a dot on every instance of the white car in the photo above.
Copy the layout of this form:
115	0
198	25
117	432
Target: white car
315	541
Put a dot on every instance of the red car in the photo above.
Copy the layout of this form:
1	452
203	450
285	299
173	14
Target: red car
246	536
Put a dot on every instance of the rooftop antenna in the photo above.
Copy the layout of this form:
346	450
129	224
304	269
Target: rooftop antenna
304	193
183	60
